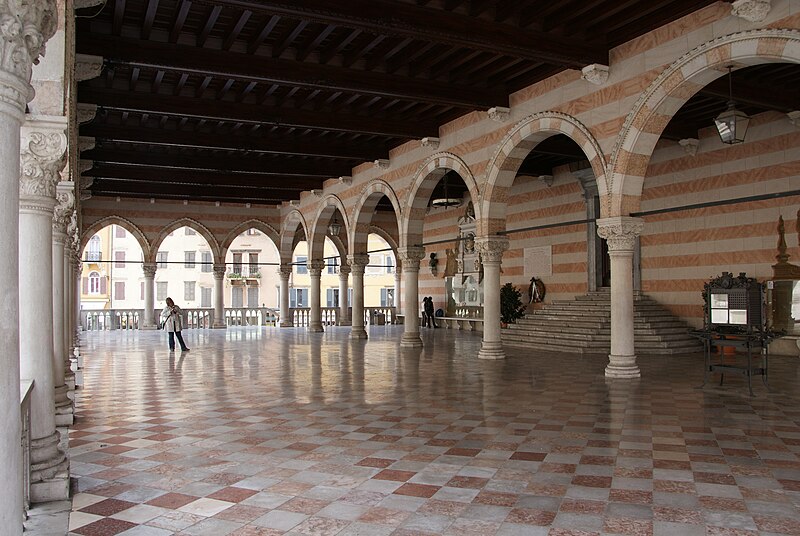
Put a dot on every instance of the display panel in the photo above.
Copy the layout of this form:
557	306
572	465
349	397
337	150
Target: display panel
737	316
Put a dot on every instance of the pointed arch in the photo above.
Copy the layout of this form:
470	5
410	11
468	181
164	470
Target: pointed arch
514	148
319	230
128	225
198	227
671	90
259	225
426	178
290	237
363	210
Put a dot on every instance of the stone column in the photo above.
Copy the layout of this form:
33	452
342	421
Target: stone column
315	268
410	258
398	276
344	307
63	211
285	272
620	232
42	153
77	264
219	297
69	296
357	264
149	269
491	249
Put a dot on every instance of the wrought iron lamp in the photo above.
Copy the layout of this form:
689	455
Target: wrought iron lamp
334	227
445	201
732	123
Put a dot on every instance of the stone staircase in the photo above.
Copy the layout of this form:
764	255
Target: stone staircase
583	326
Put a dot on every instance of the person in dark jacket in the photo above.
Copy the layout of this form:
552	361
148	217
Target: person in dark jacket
431	319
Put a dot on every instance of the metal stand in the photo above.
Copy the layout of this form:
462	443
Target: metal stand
745	341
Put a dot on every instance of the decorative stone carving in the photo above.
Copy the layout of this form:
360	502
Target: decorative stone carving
382	163
316	193
219	271
620	232
547	180
86	112
751	10
43	145
595	73
499	113
85	165
72	227
285	271
794	117
689	145
411	257
149	270
65	206
358	263
346	180
315	267
344	271
491	248
430	142
85	143
294	203
87	67
25	26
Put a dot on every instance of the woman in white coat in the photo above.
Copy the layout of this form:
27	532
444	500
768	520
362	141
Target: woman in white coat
173	323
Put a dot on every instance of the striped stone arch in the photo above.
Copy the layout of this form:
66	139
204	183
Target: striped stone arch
670	91
365	207
259	225
201	229
319	229
128	225
514	148
425	180
387	236
293	231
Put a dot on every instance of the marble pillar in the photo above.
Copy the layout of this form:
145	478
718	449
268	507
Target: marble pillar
77	272
344	304
69	296
285	272
315	268
620	232
149	321
398	276
491	250
42	156
219	297
65	200
410	257
357	265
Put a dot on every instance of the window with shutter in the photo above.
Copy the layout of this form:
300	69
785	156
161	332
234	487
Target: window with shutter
119	290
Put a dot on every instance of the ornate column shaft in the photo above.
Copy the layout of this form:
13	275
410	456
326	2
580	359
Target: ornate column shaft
63	211
42	156
315	268
77	266
69	298
621	233
219	297
491	249
344	307
149	269
285	272
357	264
410	257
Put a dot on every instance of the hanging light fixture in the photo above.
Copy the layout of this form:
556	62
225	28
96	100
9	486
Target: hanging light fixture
732	123
446	201
334	227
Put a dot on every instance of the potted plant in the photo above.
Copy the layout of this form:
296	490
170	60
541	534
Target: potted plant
511	307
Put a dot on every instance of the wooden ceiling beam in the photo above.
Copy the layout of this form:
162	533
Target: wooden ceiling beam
322	34
233	33
180	20
266	29
111	188
211	20
119	16
149	17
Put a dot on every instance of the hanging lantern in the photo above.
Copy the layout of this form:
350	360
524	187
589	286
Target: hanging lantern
732	123
334	228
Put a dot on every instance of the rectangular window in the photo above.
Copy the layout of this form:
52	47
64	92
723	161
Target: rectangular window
388	261
252	296
188	259
237	263
300	265
253	264
332	297
188	290
161	291
205	257
333	265
119	232
161	260
205	296
387	297
119	258
119	290
237	295
298	297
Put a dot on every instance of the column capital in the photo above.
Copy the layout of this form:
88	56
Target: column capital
43	146
620	232
315	267
219	271
344	271
65	207
285	271
410	257
357	263
149	269
491	248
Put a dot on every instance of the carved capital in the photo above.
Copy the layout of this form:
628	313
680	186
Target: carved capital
595	73
620	232
87	67
43	146
358	263
149	269
344	271
751	10
219	271
285	271
315	267
410	257
25	26
491	248
86	112
65	206
689	145
499	113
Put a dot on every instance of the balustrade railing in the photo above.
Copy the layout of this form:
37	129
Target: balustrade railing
110	319
250	316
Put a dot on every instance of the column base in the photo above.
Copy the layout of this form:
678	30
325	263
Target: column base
622	366
65	410
344	323
287	324
411	339
49	470
358	333
69	377
216	325
316	327
491	350
148	328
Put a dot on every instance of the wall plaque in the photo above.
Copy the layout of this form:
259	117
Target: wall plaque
539	261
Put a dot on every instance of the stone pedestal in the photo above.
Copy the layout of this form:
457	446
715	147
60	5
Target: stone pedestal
219	298
63	210
149	270
410	258
620	233
491	251
344	305
285	272
357	264
315	268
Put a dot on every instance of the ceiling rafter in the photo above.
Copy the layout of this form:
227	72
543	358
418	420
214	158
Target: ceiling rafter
149	17
180	20
266	29
233	33
322	34
211	20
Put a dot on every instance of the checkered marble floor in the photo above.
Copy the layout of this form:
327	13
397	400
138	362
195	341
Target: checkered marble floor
260	432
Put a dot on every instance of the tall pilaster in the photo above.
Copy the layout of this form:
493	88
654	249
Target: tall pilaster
61	215
149	270
315	268
285	272
42	153
344	307
620	232
219	297
357	264
491	250
410	258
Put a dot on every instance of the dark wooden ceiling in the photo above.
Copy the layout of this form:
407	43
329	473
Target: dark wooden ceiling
257	100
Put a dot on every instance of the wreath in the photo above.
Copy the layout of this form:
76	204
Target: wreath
536	290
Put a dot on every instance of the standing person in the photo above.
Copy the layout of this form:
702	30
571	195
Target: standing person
425	312
173	323
429	312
